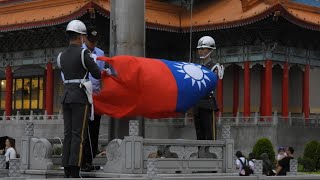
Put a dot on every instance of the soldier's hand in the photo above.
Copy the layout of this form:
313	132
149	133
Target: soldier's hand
94	57
106	72
219	70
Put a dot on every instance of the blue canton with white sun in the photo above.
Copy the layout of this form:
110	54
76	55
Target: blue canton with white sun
193	81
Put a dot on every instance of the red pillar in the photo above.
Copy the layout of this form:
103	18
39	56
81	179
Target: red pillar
305	96
262	92
8	98
220	95
235	90
49	89
285	90
246	81
268	88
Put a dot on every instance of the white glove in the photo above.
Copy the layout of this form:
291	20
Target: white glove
220	70
108	71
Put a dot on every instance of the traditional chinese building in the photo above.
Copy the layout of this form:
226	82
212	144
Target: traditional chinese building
269	47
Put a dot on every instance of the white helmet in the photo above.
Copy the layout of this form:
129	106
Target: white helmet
77	26
206	42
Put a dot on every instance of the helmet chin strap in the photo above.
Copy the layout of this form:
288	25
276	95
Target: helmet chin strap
204	57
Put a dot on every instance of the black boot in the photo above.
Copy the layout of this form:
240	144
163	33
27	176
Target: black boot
66	172
96	168
74	172
87	167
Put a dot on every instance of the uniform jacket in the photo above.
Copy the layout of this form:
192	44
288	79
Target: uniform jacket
72	68
96	85
208	102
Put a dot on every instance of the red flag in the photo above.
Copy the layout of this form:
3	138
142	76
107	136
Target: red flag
150	87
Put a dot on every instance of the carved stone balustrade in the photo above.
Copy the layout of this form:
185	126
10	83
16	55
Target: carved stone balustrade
14	167
131	155
2	162
133	128
114	156
258	167
152	167
187	156
293	167
36	152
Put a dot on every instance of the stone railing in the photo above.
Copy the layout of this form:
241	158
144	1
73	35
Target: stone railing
188	156
254	119
36	152
14	167
58	142
296	120
275	119
131	154
32	117
136	155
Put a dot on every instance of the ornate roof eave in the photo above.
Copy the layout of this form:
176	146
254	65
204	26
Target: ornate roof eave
51	22
161	27
276	10
298	21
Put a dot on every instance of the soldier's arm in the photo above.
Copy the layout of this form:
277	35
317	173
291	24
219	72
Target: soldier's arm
91	65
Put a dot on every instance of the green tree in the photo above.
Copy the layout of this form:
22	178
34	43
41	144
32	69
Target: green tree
264	145
310	150
311	156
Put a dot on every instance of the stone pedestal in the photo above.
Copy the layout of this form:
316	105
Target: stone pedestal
25	145
113	164
25	152
258	164
2	162
14	168
152	167
228	156
225	132
40	154
125	156
132	150
29	130
133	128
293	167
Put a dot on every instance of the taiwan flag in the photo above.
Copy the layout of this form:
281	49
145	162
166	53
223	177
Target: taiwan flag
152	88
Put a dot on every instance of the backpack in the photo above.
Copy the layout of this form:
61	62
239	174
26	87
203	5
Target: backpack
246	170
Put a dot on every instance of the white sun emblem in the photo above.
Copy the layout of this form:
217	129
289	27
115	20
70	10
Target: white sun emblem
195	72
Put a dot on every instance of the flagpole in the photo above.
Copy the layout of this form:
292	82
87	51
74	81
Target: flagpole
190	37
130	43
190	52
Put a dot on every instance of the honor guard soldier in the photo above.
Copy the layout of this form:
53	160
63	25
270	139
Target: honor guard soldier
91	143
75	64
203	113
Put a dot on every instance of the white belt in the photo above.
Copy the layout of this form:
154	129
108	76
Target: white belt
75	81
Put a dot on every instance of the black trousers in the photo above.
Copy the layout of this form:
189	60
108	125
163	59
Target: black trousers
93	127
75	125
203	123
